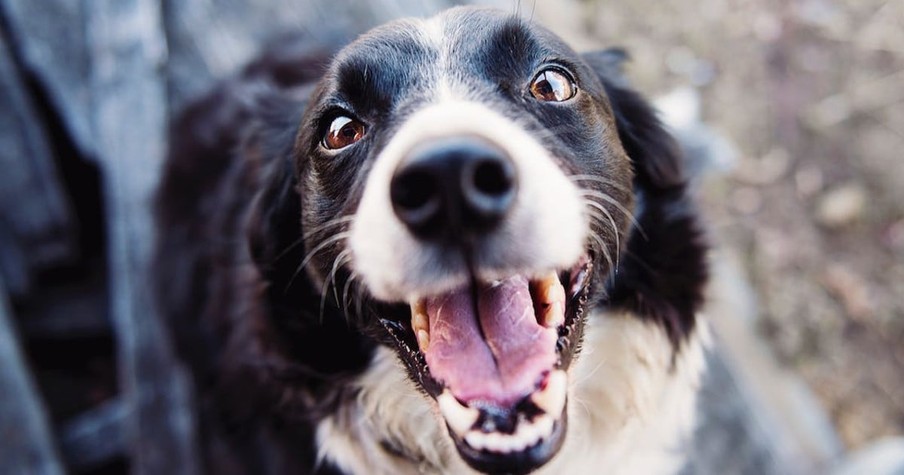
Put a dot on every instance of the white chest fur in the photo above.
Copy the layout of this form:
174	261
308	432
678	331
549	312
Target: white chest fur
631	410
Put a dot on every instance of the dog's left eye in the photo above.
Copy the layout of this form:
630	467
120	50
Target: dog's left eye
342	132
553	85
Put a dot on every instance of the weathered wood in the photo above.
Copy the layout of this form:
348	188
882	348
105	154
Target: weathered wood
95	437
128	50
76	310
26	442
38	221
49	35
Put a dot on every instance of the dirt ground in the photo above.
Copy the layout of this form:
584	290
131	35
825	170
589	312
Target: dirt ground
811	92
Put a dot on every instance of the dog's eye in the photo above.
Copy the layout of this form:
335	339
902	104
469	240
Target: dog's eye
343	131
553	85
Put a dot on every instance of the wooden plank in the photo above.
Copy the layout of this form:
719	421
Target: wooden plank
95	437
128	50
49	36
38	219
28	446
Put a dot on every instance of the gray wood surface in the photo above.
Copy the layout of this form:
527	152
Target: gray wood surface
35	214
26	441
49	36
95	437
128	49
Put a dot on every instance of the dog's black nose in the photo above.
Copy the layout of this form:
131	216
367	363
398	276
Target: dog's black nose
456	185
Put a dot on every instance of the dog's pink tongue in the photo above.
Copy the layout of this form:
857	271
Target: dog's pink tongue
506	365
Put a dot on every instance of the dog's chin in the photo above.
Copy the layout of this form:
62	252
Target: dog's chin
494	356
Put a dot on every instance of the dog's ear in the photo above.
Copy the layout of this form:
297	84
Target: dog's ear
274	226
653	151
663	273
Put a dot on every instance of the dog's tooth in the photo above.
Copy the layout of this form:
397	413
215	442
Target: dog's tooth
476	440
423	339
543	426
550	296
551	289
552	397
420	325
494	441
459	417
553	315
528	433
419	316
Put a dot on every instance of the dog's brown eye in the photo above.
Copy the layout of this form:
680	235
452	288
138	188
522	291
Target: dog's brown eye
343	132
553	85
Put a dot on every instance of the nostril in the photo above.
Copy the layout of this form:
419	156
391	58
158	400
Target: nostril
415	198
493	177
413	190
488	188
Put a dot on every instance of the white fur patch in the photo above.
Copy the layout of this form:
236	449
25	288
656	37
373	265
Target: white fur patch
547	219
630	411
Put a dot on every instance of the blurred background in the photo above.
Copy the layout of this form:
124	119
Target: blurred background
792	112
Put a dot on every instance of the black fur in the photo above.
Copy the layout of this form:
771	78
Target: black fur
246	178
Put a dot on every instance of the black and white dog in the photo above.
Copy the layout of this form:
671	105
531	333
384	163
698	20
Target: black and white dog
453	245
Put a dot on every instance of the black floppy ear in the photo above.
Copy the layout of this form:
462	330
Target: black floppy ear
663	273
656	156
274	226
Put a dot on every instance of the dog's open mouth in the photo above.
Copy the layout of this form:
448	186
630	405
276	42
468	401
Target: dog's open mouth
494	356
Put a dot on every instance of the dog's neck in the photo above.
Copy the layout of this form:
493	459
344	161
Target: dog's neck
631	410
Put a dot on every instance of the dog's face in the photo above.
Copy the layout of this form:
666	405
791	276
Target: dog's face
465	195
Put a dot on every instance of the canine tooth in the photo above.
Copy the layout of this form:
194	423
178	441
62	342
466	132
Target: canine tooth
552	397
550	297
423	339
460	418
553	315
550	289
419	316
420	325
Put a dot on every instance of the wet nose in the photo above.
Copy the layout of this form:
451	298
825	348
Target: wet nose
455	185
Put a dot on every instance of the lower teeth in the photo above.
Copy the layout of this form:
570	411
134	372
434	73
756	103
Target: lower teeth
550	400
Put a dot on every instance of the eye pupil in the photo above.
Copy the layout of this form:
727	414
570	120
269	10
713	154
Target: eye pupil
343	131
552	85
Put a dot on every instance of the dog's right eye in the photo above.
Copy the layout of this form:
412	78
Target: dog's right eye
342	132
553	85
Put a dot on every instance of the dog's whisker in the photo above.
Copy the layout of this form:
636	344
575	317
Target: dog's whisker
328	224
608	215
602	245
586	377
310	255
345	294
340	259
310	233
601	180
359	301
617	205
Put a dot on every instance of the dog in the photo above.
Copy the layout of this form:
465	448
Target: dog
453	245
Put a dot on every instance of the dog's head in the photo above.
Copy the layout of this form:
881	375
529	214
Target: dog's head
465	195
